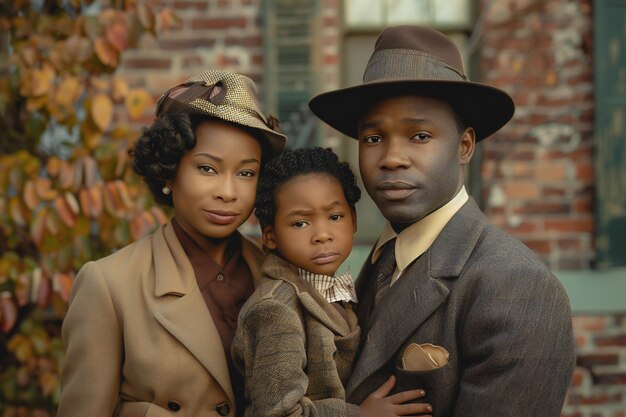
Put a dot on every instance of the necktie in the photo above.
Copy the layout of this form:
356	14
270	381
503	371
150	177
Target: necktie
385	269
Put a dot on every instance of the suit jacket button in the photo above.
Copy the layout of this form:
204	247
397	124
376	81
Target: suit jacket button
173	405
223	409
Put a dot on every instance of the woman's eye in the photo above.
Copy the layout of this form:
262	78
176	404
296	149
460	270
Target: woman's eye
299	224
421	137
336	217
372	139
207	169
247	174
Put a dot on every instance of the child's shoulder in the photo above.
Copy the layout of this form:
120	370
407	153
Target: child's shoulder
271	291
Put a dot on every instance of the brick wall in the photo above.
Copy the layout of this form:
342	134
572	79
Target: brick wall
538	171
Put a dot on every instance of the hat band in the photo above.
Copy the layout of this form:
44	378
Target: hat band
389	64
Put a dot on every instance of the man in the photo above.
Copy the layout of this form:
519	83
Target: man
447	302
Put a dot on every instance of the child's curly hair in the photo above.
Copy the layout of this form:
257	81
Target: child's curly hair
292	163
157	152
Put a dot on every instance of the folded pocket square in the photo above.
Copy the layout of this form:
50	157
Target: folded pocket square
424	357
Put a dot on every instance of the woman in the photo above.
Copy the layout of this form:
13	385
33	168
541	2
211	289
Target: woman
149	328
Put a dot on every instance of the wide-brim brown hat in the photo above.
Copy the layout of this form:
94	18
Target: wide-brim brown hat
224	95
413	60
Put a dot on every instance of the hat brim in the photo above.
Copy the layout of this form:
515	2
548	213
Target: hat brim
484	108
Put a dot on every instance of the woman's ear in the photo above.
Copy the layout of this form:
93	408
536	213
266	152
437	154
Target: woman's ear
467	146
269	240
354	223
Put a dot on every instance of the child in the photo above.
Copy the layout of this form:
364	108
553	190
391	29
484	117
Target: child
298	335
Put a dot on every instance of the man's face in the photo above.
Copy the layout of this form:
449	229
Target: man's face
411	156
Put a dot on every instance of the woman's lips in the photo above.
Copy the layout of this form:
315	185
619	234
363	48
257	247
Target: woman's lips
325	258
221	216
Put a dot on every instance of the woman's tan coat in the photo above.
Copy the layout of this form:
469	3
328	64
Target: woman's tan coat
139	338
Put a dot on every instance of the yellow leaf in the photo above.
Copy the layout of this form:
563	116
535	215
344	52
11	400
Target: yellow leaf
18	212
91	135
105	52
43	187
136	102
41	80
53	166
120	89
68	91
102	111
8	313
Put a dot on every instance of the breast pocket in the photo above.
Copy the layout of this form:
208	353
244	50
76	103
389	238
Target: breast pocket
440	385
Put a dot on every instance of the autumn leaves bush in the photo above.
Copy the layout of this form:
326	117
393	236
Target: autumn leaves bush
67	193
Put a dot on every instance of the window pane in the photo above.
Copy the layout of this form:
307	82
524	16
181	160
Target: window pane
364	12
409	11
452	12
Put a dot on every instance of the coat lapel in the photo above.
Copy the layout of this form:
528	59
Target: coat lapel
416	295
187	318
315	304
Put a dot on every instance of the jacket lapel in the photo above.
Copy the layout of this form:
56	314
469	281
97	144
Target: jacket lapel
315	304
416	295
187	318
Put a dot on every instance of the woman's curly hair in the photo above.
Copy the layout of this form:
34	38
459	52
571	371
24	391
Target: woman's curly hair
290	164
157	152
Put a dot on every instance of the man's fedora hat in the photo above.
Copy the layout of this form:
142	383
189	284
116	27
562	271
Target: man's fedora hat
413	60
226	96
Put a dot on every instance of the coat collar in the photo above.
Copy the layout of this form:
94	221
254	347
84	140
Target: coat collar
277	268
186	316
416	295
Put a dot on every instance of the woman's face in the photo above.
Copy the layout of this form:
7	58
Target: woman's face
215	185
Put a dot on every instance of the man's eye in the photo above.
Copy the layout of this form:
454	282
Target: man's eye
421	137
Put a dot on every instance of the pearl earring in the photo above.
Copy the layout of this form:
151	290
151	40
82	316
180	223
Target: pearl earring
166	190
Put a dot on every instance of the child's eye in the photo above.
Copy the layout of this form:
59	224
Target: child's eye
421	137
299	224
207	169
372	139
336	217
247	174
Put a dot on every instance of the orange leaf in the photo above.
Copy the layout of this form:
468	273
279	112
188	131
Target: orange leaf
105	52
146	16
38	227
67	174
41	80
65	212
18	212
62	285
85	201
30	196
122	191
72	203
52	223
95	197
44	293
44	191
136	102
22	290
8	311
101	111
48	383
112	200
117	35
53	166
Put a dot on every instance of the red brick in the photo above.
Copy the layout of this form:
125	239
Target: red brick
617	340
221	23
594	399
542	208
521	189
539	246
189	43
247	41
585	172
187	5
148	63
569	225
593	359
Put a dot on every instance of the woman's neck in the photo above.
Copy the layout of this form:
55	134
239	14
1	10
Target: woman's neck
216	248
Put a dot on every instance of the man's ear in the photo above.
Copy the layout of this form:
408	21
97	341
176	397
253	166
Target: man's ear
467	146
354	223
269	240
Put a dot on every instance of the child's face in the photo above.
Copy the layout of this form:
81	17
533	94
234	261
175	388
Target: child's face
314	225
215	185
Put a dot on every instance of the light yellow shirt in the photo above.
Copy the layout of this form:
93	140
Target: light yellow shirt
417	238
